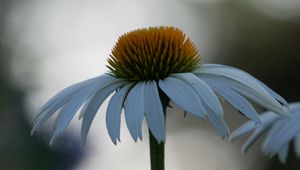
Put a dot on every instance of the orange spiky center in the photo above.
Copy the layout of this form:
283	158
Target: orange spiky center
153	54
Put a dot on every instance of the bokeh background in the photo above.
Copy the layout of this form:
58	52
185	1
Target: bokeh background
48	45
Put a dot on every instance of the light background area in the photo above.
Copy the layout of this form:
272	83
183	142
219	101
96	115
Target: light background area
69	41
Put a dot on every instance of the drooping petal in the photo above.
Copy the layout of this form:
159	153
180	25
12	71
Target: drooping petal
154	111
62	98
295	108
93	105
274	128
113	114
103	84
206	94
241	82
217	121
266	119
257	97
273	93
135	110
183	95
235	99
282	135
85	105
242	130
281	131
253	138
68	111
64	95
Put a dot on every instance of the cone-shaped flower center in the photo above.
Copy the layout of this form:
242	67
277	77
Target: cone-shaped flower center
153	54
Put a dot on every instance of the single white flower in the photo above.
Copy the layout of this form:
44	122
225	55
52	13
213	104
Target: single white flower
149	67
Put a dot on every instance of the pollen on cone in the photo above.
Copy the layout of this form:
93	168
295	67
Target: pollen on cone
153	53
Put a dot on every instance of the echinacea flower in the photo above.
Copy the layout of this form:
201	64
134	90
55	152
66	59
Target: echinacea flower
146	65
280	132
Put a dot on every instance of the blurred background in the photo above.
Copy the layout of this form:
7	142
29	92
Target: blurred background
48	45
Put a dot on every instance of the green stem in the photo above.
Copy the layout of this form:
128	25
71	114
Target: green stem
157	153
157	150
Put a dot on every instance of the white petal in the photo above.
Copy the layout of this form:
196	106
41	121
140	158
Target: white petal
113	114
273	93
69	109
294	107
154	111
262	99
239	80
61	98
64	95
269	145
235	99
254	136
102	84
217	121
93	105
283	135
135	110
203	90
183	95
266	119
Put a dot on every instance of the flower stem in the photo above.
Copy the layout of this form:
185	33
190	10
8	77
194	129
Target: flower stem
157	150
157	153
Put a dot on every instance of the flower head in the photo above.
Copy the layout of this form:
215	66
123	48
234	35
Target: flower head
153	54
280	131
147	64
